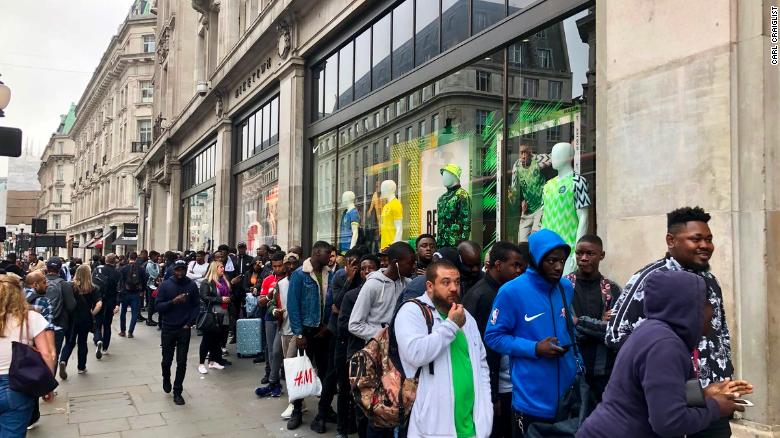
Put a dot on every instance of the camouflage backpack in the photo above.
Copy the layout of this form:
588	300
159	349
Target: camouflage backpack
376	376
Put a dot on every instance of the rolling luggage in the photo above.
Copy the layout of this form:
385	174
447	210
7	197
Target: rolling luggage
248	338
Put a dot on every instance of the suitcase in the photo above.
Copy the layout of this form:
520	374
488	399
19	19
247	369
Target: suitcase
248	338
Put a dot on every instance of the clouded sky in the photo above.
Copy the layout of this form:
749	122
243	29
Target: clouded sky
48	51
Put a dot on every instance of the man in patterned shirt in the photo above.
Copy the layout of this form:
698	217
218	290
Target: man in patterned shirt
526	188
35	294
690	247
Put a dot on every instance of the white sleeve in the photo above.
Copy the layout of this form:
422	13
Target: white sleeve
36	324
415	346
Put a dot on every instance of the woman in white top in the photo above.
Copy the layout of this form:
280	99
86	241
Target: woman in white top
17	323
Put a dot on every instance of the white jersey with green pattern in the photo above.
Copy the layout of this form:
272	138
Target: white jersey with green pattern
562	198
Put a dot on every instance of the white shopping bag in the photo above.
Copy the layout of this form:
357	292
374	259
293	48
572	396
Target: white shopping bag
301	378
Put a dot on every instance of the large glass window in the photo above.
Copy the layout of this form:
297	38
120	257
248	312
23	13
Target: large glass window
199	221
257	197
380	51
259	130
346	60
403	38
486	13
426	42
200	168
476	167
363	64
454	22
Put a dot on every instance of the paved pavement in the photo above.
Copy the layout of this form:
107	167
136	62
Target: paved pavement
121	396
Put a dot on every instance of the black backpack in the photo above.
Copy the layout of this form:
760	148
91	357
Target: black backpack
99	277
133	277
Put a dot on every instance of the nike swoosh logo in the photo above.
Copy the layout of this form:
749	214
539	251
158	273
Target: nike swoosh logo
527	319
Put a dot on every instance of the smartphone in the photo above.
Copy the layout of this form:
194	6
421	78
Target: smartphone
743	402
566	347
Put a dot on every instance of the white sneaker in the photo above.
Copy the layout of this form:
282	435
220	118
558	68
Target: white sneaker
202	369
216	366
288	412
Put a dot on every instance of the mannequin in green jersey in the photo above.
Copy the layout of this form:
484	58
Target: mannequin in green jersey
453	209
566	201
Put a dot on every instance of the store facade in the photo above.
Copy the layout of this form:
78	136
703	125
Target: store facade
417	87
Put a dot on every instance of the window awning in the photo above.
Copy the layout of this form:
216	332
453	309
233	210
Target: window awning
91	244
98	243
127	241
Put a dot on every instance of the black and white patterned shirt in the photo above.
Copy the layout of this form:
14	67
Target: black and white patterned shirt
714	349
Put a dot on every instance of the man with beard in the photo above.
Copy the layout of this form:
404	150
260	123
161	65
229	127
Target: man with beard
506	262
426	246
689	248
453	394
529	323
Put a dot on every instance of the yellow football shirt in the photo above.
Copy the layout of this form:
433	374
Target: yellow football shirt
391	212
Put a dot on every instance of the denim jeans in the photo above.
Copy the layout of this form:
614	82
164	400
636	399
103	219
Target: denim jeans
59	338
15	410
132	300
274	354
103	321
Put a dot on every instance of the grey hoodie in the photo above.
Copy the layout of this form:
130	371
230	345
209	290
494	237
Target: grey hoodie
375	304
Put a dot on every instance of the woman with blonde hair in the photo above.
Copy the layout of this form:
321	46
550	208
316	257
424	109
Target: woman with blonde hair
214	297
88	304
18	324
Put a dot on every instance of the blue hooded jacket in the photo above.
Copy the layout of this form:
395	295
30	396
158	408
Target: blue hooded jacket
525	311
646	392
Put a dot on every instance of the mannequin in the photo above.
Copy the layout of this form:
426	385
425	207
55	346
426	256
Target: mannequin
391	226
566	201
453	209
350	222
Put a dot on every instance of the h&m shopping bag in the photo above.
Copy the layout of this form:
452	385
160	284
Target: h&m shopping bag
301	378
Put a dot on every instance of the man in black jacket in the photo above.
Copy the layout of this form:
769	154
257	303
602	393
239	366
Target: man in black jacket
60	294
506	261
178	303
106	277
132	286
242	266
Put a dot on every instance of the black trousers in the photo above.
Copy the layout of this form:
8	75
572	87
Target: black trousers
330	380
103	321
522	421
345	406
178	341
211	343
317	350
150	304
720	428
502	423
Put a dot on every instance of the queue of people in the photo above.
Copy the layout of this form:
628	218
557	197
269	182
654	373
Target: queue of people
494	343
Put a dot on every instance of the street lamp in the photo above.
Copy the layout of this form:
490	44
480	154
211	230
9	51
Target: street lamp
5	97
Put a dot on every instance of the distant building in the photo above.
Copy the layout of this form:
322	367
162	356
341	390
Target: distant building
56	179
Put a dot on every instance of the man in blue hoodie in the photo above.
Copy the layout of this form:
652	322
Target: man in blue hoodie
646	395
528	323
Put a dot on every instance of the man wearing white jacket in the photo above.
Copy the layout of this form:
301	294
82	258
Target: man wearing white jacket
455	400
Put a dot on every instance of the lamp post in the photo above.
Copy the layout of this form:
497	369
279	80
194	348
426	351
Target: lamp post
5	97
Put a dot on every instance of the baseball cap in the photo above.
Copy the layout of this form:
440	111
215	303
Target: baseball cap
290	257
241	245
54	263
447	253
179	264
451	168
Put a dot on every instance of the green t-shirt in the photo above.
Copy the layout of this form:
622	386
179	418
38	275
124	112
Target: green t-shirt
462	385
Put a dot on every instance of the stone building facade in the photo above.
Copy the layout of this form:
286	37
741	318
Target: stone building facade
267	112
56	176
111	133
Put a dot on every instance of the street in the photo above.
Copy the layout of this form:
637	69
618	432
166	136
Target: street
121	396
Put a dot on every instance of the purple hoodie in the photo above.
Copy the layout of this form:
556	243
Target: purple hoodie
645	396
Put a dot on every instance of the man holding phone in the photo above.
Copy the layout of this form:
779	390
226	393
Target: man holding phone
529	324
178	304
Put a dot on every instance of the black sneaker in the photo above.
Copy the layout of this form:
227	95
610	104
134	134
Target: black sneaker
141	318
178	399
99	350
330	415
167	386
295	420
258	359
264	380
151	323
318	424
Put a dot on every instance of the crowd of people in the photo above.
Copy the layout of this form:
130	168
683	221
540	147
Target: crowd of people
505	337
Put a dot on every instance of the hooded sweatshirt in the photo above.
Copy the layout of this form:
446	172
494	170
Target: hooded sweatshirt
525	311
375	304
646	392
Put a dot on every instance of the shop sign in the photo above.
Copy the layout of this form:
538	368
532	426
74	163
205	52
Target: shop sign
253	78
130	230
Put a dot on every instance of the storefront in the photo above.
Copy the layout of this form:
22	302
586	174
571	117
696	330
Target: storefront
256	173
408	136
197	201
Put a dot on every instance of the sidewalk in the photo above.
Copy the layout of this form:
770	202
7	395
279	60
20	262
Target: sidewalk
121	396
